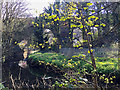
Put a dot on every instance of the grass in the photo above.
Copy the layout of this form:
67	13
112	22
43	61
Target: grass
104	65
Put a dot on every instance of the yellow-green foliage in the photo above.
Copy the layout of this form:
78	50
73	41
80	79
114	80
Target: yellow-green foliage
56	59
104	65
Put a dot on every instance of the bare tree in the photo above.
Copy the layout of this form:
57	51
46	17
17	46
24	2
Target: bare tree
15	19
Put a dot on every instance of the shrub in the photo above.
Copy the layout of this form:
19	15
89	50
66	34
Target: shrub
104	65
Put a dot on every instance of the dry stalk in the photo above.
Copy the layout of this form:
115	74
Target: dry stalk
38	84
19	77
13	82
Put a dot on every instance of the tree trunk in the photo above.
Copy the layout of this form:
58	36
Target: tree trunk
118	10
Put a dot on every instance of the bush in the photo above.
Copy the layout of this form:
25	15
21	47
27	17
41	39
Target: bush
104	65
55	59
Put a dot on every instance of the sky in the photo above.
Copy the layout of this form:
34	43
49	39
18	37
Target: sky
38	5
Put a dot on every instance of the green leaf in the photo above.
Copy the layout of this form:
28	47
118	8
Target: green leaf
96	25
85	8
89	4
89	33
80	26
73	25
103	24
88	51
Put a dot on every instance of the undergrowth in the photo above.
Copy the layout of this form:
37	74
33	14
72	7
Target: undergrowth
77	69
104	65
